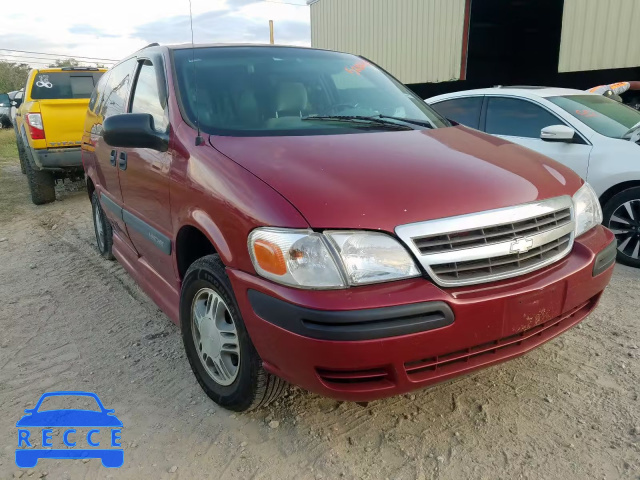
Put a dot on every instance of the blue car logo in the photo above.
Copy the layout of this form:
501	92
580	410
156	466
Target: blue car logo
99	423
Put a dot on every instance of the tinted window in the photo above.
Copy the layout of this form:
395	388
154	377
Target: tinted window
97	92
4	100
518	118
63	85
462	110
605	116
257	91
116	90
146	98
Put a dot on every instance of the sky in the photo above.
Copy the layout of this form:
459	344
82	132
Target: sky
113	29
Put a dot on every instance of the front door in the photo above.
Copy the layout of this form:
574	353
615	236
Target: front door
144	182
520	121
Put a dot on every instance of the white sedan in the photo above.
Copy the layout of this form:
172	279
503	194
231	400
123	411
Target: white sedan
597	137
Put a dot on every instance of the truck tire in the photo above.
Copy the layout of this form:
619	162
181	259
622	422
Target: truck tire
622	216
102	228
41	183
217	344
21	154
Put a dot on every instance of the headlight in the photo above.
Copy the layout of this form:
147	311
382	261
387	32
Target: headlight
303	258
587	209
371	257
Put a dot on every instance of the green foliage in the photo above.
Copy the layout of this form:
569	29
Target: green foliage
13	76
65	62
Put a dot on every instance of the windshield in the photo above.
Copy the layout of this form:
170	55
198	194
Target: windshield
261	91
605	116
64	85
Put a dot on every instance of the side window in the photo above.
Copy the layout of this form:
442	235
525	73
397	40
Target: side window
462	110
146	98
97	92
518	118
116	90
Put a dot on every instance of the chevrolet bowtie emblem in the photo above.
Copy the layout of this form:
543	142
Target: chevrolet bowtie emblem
522	245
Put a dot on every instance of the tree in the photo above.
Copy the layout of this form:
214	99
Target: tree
13	76
66	62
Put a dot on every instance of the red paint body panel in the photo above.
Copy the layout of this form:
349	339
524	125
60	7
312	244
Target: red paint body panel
228	186
385	179
483	314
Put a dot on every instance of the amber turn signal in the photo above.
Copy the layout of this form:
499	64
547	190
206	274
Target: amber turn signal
269	257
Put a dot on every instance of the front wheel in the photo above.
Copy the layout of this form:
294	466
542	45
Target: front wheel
622	216
217	344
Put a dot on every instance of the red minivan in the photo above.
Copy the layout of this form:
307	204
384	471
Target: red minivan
306	218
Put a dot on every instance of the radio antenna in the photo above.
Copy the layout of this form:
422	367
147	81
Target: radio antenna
199	139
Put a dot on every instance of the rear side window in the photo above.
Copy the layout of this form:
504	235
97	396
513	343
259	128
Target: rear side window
462	110
517	118
116	90
4	100
63	85
146	97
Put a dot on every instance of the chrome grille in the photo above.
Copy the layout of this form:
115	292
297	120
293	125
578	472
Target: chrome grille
473	269
492	245
494	234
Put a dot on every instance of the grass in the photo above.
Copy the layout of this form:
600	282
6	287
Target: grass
8	149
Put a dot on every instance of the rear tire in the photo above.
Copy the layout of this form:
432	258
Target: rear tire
622	215
242	384
41	183
102	228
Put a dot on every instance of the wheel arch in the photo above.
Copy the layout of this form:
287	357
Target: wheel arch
617	188
198	237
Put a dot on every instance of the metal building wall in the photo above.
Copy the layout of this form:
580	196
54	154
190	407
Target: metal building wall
600	34
416	40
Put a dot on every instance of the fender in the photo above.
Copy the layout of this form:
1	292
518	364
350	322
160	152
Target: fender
201	220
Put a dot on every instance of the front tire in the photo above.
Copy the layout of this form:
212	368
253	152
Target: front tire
102	228
21	154
622	216
217	344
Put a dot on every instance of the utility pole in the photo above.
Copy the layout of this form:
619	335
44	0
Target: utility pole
271	32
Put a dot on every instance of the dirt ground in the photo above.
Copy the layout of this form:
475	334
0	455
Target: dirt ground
70	320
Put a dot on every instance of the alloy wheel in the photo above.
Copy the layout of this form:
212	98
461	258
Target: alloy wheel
215	336
625	224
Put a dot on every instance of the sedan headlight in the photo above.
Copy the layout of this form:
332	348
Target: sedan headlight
587	209
335	259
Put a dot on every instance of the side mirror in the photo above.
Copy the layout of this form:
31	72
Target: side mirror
134	130
558	133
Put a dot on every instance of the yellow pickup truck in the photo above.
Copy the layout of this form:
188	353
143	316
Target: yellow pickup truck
49	126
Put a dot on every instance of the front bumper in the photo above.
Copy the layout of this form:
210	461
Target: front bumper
301	336
54	158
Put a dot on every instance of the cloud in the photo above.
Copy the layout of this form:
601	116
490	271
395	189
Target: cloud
227	25
83	29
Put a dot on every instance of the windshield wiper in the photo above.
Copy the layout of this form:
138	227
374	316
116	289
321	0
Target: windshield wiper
363	120
422	123
631	130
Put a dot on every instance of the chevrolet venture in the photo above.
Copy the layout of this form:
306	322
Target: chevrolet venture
306	218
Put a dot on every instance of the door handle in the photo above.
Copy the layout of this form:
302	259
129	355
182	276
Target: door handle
122	161
112	157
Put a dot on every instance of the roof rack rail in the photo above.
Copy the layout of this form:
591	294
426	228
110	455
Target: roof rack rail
154	44
78	68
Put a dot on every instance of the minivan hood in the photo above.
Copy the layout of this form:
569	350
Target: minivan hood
380	180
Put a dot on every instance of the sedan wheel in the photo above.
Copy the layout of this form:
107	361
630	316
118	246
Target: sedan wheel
622	216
